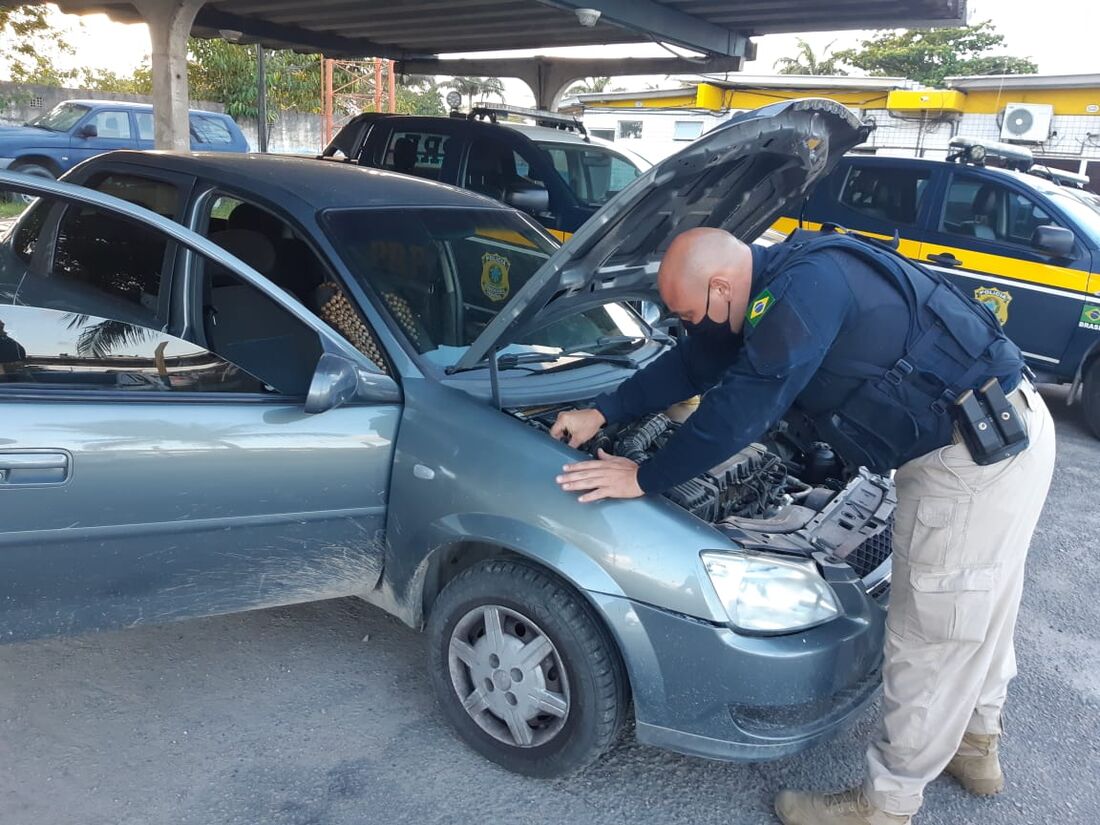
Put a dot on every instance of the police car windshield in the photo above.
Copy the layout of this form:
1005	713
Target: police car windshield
1084	208
444	274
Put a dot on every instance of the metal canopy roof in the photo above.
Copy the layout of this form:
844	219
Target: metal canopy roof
408	29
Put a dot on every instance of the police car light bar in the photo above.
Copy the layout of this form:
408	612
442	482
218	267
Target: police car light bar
555	120
969	150
1060	176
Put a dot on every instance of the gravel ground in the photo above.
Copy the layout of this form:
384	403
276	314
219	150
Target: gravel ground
322	714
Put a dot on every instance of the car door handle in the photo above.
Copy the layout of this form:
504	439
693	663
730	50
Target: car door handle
944	259
46	467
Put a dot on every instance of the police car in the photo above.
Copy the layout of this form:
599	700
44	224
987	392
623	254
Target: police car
549	168
1023	240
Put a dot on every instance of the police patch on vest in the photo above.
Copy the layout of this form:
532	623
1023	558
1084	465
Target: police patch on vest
494	276
759	307
996	299
1090	317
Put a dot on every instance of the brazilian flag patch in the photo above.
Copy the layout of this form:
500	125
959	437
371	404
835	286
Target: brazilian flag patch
759	307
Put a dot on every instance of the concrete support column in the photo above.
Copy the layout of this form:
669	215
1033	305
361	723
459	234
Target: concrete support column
170	24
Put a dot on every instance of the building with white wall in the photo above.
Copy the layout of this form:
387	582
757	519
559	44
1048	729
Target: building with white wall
1056	116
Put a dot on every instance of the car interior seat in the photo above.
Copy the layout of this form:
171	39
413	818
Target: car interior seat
984	223
491	170
404	155
248	329
452	155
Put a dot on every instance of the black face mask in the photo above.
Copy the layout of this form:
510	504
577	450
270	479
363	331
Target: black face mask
708	329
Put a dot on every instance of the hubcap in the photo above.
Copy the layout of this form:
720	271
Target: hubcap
508	676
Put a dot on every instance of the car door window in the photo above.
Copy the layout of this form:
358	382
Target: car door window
158	196
989	211
47	349
144	125
210	130
111	123
594	174
890	195
98	263
424	154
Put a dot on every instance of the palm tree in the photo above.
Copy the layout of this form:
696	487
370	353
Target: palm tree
468	87
100	339
806	62
591	85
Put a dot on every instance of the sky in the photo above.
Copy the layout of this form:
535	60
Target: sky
1061	39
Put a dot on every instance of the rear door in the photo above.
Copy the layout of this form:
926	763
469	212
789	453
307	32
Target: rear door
874	196
981	237
146	477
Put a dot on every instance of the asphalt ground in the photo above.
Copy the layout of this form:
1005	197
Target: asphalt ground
322	714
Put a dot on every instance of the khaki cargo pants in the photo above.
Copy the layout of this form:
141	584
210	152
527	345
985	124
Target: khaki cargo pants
960	540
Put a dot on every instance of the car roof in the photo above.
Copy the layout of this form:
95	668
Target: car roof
303	184
544	133
1032	181
131	104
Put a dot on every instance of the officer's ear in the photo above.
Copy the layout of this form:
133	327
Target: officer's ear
722	287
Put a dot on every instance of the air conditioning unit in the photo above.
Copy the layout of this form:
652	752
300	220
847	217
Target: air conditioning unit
1027	122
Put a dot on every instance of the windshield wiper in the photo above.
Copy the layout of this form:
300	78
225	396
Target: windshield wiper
590	352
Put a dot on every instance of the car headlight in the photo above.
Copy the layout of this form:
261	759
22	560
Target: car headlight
765	594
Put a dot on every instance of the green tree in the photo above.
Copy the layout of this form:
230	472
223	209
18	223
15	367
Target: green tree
929	56
29	46
419	95
138	82
591	86
480	87
225	73
808	62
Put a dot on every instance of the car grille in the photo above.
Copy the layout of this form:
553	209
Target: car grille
866	558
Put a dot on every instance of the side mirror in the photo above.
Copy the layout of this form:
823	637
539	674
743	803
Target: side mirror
526	197
1056	241
335	382
89	130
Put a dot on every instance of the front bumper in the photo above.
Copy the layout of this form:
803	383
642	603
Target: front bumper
705	690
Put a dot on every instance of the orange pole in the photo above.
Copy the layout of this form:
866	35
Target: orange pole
326	101
377	84
392	88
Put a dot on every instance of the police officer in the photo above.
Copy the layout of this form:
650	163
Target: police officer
875	350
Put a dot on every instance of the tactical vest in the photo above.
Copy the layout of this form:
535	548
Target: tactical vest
953	344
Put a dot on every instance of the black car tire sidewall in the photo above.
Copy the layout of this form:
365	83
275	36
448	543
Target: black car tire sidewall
597	684
1090	396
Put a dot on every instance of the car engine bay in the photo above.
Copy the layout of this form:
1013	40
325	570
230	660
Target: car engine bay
785	494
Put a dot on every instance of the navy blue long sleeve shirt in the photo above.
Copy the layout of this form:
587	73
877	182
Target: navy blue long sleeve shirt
747	382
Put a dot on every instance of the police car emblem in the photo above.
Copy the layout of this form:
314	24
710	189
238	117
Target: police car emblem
1090	317
494	276
996	299
759	306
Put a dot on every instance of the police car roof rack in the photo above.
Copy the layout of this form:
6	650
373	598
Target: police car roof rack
552	120
977	152
1060	176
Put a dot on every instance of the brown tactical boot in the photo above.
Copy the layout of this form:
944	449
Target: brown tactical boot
846	808
976	765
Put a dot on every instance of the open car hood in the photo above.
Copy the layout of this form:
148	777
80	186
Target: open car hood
738	177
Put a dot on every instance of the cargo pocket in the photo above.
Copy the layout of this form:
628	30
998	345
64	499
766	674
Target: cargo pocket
950	606
933	531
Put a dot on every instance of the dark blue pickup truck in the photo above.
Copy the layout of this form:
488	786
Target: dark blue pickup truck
76	130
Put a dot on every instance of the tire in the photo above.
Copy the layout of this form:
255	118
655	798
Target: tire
34	170
1090	396
566	709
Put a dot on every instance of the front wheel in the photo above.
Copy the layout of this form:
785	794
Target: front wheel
1090	396
524	670
34	170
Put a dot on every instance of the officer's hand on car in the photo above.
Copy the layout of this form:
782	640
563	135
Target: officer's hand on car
609	476
577	426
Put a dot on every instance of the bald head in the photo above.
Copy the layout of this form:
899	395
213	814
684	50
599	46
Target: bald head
706	273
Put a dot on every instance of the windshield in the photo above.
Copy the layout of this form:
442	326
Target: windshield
593	173
444	274
1084	208
61	118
